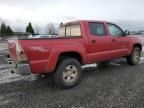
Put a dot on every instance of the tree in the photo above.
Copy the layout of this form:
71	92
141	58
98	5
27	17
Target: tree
9	31
51	29
3	30
29	29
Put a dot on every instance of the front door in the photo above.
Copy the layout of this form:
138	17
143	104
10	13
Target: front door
119	42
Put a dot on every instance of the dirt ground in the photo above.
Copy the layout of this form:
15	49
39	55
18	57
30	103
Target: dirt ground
115	85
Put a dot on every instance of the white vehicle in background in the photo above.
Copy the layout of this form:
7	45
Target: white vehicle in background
43	36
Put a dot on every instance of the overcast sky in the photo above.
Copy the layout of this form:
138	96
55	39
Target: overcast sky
57	10
19	12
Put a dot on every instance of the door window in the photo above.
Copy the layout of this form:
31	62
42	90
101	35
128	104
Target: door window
97	29
115	30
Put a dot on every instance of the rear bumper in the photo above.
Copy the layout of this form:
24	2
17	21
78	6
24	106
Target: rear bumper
21	68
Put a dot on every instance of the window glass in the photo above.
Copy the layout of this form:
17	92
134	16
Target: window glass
62	31
70	30
97	29
75	30
114	30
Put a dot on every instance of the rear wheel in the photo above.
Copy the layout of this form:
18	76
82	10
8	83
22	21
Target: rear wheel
134	58
68	73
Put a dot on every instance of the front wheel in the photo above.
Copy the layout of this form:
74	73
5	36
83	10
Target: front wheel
134	58
68	73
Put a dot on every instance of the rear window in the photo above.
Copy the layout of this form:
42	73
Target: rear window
70	30
62	31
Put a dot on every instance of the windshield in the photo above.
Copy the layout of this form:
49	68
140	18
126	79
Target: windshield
70	30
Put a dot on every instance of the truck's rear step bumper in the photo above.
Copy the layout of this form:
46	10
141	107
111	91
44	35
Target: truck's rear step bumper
22	68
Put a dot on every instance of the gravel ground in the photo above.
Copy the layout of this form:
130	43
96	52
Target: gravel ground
115	85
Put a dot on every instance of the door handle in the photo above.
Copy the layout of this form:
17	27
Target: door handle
113	40
93	41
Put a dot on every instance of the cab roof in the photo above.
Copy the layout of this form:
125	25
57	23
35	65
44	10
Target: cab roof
79	21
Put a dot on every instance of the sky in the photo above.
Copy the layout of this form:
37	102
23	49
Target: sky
45	11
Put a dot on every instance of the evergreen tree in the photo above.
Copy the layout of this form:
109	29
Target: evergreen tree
29	29
3	30
9	30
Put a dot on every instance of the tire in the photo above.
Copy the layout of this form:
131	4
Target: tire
134	58
68	73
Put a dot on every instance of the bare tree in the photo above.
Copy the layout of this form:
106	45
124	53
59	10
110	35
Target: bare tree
51	29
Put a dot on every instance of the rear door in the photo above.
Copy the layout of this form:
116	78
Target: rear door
119	42
99	42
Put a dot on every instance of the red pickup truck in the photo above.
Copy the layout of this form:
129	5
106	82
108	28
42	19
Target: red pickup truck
78	43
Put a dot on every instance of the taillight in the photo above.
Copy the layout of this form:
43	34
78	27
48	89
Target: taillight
21	56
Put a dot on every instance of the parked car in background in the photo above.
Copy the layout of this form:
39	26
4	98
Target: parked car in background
43	36
79	43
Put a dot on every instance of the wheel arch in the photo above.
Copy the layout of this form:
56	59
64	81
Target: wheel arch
137	45
57	56
71	54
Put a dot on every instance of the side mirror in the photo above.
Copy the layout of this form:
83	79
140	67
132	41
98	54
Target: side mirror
126	32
